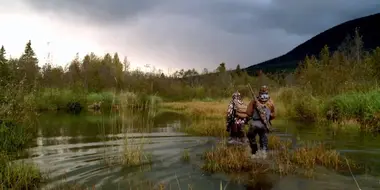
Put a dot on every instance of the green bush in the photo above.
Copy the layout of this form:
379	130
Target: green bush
55	99
355	105
106	99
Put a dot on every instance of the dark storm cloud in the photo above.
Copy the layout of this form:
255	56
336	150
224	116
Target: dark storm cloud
105	11
209	31
237	16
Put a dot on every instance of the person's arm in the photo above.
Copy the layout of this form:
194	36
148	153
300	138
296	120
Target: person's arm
230	112
250	108
272	110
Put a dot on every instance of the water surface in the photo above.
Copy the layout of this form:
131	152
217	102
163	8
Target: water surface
80	148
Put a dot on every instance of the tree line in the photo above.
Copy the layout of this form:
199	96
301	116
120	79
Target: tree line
96	73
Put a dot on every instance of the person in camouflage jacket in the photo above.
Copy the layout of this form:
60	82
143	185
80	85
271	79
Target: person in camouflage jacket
234	123
256	125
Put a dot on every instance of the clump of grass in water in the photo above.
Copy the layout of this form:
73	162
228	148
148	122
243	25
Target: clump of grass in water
185	156
310	156
134	155
236	160
232	159
228	159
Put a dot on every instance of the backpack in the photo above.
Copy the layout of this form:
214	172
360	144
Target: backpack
240	110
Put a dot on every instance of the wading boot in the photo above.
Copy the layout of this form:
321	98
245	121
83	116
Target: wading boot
264	151
254	149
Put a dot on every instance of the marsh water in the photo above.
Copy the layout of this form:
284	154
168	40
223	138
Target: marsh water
79	149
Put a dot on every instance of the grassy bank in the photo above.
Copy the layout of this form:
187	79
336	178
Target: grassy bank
209	116
53	99
360	108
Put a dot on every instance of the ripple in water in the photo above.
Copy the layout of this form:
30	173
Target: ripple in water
75	150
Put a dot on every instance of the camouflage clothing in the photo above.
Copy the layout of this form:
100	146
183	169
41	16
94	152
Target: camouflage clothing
235	124
259	110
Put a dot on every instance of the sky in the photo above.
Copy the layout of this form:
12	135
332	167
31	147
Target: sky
171	34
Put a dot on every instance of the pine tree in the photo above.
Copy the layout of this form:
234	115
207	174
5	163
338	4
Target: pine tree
4	69
28	64
118	71
238	70
3	60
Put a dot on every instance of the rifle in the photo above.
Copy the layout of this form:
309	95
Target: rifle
260	109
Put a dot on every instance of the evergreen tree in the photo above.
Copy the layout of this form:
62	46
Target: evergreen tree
4	69
28	65
74	72
118	71
3	60
238	70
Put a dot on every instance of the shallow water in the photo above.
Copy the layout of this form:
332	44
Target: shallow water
78	149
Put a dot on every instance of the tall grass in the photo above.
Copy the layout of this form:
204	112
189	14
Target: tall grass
134	155
55	99
52	99
16	121
18	175
361	107
283	161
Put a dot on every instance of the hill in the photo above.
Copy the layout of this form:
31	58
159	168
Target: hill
368	27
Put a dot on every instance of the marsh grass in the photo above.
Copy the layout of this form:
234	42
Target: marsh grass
18	175
297	104
134	155
207	127
16	127
200	109
12	136
53	99
208	120
282	160
185	156
228	159
356	107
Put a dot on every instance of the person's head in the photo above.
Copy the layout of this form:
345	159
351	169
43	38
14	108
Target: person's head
264	94
236	95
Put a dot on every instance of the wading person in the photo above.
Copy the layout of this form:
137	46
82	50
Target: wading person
257	125
236	118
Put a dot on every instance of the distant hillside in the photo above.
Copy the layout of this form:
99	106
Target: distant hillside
369	28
